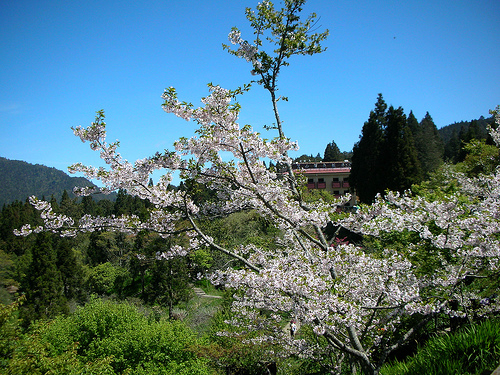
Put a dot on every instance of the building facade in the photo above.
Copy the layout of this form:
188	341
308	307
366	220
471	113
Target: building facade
330	176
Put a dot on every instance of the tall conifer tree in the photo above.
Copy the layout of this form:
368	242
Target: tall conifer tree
366	168
385	157
431	144
332	152
70	269
452	148
401	165
43	285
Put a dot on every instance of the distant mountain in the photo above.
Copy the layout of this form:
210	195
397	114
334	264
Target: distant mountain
462	127
19	180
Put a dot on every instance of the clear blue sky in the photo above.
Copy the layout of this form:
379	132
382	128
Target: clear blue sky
61	61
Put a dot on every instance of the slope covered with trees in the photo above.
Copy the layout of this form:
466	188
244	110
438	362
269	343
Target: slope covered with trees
21	180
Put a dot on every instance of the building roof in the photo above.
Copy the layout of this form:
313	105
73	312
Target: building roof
323	170
323	167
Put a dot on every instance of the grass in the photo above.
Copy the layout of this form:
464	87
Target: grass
474	350
198	311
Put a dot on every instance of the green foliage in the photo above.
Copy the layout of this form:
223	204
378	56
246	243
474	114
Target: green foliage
35	357
400	166
233	352
308	158
240	228
101	278
114	338
128	205
332	152
7	275
366	171
474	350
202	259
428	143
438	185
481	158
197	313
199	192
479	128
456	135
9	330
169	283
386	156
101	248
70	268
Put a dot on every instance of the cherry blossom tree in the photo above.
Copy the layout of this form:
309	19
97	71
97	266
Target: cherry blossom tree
360	303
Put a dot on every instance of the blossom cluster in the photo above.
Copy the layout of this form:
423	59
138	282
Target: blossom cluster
245	49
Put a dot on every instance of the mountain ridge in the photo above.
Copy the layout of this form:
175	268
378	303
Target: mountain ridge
21	180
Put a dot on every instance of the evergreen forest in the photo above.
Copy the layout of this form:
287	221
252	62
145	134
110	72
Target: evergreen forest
396	150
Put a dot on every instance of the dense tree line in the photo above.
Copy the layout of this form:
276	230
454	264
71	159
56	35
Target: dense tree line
331	153
43	276
51	270
394	151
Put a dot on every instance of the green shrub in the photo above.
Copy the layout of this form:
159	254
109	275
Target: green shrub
115	334
101	278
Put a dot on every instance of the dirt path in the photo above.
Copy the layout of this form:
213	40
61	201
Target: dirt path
199	292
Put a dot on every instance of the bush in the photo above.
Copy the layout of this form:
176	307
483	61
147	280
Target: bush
111	333
101	278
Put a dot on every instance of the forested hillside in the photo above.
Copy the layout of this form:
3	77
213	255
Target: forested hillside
456	135
479	125
21	180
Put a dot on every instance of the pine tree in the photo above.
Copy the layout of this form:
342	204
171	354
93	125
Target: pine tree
122	204
70	269
385	157
467	135
431	144
366	166
332	152
399	157
452	148
102	248
88	205
68	206
169	283
43	285
413	125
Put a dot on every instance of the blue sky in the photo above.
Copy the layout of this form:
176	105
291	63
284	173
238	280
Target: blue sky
61	61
